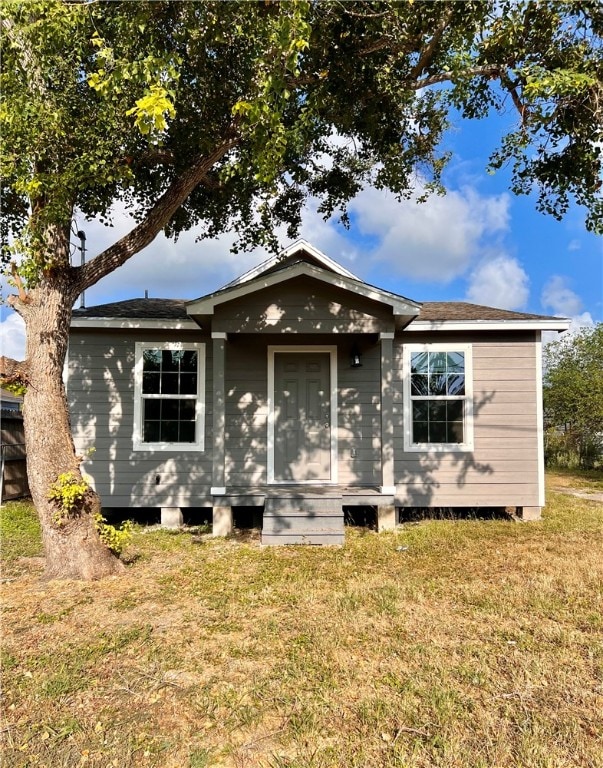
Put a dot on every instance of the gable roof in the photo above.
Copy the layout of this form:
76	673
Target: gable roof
300	250
302	259
206	305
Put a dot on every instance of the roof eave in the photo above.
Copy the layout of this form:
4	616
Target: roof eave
554	324
168	324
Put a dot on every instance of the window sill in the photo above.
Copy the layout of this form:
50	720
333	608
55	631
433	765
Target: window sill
166	447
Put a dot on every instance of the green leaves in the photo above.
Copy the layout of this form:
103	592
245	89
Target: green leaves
573	382
111	101
151	111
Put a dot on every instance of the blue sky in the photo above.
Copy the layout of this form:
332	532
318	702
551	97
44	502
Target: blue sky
478	243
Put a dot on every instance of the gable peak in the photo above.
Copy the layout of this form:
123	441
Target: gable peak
300	250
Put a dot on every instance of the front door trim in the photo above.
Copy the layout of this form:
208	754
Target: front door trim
293	349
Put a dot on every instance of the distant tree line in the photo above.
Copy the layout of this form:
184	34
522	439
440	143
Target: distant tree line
573	400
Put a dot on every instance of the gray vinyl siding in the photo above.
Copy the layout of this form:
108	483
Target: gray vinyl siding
246	418
302	305
502	470
359	426
100	391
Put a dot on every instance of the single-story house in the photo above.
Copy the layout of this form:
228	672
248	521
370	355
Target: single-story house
299	389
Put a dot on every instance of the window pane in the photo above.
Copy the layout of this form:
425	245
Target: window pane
152	410
169	383
418	362
455	432
419	432
188	362
437	362
437	432
456	429
419	385
151	360
188	384
169	360
150	432
456	384
419	410
456	362
169	431
150	383
187	431
187	410
437	384
437	410
169	410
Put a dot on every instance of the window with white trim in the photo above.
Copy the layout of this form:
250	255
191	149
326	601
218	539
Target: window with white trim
438	410
169	386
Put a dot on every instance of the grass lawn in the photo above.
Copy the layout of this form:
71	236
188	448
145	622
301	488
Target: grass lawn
467	643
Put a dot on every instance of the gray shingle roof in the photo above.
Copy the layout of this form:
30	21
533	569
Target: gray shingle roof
462	310
172	309
175	309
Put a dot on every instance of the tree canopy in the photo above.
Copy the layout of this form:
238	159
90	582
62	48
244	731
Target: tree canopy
278	100
229	115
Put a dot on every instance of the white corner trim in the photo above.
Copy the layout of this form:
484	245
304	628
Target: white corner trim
332	350
116	322
218	490
388	490
385	335
137	442
560	324
540	423
431	448
219	335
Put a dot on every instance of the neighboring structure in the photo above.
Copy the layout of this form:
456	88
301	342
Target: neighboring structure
13	467
300	389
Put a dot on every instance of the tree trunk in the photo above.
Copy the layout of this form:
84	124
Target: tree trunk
73	550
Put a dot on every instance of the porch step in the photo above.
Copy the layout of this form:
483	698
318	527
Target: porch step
303	519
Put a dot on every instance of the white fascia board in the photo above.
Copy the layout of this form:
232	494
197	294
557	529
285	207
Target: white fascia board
133	323
297	247
207	305
304	245
488	325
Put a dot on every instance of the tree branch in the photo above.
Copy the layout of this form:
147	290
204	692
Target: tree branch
155	220
427	54
489	70
523	110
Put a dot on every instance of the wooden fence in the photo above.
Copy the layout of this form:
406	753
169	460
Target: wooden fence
13	468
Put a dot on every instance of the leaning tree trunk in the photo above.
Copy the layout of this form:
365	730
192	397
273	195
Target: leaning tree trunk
73	549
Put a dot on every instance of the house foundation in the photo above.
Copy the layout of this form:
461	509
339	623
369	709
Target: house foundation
171	517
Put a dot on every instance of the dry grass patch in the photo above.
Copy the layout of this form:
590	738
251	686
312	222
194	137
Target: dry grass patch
479	645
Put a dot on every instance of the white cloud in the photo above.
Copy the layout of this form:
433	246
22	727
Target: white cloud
558	297
12	336
436	240
188	269
499	282
167	269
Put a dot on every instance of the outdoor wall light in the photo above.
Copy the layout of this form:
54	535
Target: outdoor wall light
355	357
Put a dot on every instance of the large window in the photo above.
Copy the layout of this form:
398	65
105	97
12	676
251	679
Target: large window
438	397
169	403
